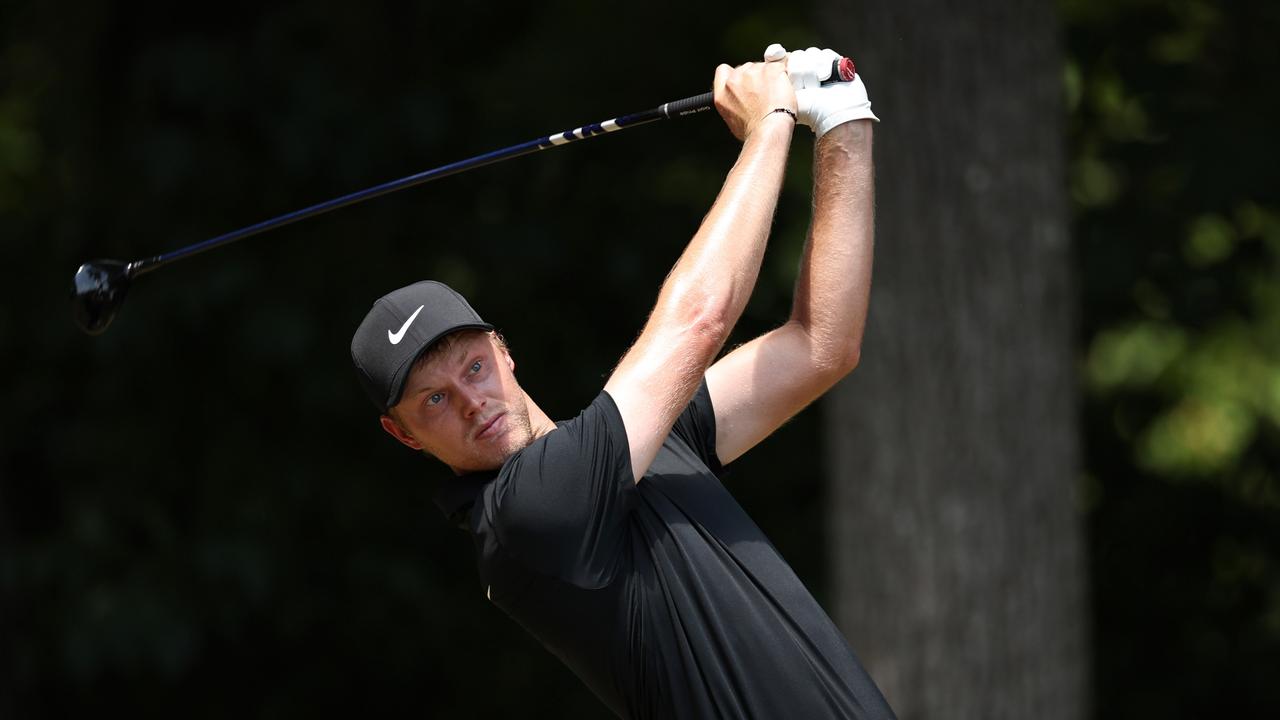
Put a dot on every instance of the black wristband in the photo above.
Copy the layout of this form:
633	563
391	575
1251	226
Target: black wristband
785	110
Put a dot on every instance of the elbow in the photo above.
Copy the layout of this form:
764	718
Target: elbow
707	330
834	356
842	358
686	329
851	361
851	352
696	319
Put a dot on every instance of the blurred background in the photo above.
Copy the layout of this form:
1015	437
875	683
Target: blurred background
1052	490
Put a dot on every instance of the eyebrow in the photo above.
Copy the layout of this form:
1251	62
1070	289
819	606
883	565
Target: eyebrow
464	352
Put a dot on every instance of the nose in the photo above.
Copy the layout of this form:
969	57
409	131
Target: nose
472	401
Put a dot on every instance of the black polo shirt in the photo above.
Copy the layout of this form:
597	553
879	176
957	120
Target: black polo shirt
663	596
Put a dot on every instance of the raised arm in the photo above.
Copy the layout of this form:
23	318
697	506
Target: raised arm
759	386
705	292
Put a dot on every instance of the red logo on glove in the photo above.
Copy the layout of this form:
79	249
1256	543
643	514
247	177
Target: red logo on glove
847	70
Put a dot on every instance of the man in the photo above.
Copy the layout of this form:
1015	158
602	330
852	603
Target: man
609	536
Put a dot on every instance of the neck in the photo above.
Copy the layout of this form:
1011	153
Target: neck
538	420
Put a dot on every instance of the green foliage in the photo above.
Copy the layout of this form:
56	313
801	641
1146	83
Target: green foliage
1173	183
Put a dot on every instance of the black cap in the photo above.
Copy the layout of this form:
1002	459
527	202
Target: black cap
399	328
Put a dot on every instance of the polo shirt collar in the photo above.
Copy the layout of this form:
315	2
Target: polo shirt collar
457	493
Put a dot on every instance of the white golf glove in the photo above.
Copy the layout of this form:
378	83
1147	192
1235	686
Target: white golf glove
822	107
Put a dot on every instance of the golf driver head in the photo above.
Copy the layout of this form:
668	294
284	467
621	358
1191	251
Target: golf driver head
97	292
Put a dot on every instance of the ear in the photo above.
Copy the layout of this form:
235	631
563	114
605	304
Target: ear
394	430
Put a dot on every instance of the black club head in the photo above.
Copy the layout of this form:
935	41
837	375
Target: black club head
97	292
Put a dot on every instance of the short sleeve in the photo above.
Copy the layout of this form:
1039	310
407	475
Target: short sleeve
561	505
696	426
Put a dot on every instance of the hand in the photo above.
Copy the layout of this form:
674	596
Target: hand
747	96
819	106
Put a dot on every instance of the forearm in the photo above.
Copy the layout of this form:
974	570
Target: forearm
705	292
702	298
834	285
713	279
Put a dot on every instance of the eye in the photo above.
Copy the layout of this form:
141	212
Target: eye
475	367
435	399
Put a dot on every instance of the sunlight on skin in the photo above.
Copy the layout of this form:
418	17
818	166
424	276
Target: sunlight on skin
465	407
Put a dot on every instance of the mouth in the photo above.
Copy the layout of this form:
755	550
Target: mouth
492	428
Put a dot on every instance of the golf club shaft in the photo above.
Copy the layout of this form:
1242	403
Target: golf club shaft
678	108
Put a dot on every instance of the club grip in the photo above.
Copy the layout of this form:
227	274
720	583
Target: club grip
689	105
842	70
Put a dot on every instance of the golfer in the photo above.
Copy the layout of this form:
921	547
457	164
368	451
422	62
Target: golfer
609	536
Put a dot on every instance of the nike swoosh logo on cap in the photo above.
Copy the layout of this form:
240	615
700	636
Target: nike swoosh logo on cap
397	336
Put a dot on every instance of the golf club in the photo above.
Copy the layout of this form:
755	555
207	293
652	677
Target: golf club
100	286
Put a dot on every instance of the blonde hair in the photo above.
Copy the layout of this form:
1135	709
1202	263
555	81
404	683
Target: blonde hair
447	343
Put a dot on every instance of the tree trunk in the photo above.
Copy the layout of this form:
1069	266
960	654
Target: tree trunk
953	449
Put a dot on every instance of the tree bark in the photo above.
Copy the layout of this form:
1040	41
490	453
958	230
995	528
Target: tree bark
953	450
